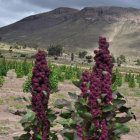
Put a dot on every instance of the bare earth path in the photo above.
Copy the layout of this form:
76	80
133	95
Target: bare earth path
12	88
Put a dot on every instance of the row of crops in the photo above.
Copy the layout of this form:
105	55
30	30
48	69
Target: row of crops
58	74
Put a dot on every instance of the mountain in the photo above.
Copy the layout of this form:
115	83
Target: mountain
77	29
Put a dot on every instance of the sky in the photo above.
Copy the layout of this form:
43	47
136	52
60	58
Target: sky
14	10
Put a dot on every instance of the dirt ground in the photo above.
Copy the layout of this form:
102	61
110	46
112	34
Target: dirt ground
12	89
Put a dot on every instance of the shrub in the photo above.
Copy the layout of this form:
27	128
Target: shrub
72	56
138	62
94	114
82	54
89	59
55	50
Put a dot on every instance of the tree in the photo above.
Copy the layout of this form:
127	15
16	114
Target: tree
82	54
122	58
10	49
55	50
72	56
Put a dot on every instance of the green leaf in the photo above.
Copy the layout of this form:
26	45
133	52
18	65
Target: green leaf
73	95
28	117
129	113
103	95
45	93
29	107
85	115
23	137
80	107
38	136
123	119
63	122
77	83
52	117
82	100
119	103
104	72
99	101
121	130
66	114
108	108
53	135
68	134
16	138
51	114
92	128
60	103
119	95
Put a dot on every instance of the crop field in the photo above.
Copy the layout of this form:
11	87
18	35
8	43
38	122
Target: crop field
12	100
66	98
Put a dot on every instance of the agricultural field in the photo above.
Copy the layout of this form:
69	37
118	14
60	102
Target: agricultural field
65	88
13	100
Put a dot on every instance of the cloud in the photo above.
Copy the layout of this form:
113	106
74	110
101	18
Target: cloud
14	10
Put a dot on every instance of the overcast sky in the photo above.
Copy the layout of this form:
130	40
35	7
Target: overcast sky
14	10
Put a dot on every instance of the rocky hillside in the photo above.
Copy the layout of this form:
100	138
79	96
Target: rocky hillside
77	29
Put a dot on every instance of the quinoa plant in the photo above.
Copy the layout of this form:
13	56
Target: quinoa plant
25	67
131	83
53	81
3	69
63	68
19	72
27	86
1	81
69	73
39	117
138	78
94	115
126	77
118	80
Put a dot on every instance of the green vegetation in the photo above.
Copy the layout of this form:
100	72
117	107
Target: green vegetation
121	59
82	54
89	59
55	50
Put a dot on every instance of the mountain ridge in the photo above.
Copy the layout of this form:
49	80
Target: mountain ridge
79	28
